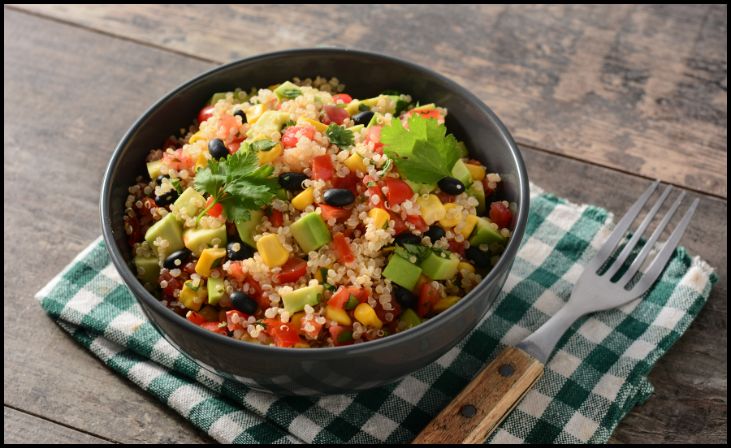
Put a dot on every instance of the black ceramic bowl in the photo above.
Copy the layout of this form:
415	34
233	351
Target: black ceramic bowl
321	370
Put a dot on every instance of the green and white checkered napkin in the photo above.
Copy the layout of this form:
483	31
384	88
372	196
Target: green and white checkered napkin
596	376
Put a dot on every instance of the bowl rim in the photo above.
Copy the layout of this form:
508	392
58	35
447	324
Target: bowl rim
142	294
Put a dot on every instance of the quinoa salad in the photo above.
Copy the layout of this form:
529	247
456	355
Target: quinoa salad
298	216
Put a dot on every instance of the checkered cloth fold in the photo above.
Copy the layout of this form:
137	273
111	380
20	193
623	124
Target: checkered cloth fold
596	376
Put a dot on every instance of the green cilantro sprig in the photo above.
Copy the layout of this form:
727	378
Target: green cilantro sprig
422	153
291	93
238	183
340	136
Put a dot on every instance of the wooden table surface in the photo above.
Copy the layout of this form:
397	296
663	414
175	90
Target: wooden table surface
599	98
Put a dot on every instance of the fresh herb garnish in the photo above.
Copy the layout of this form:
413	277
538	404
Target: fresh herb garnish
345	336
238	183
323	273
288	123
261	322
291	93
401	105
176	184
423	153
263	145
339	136
407	251
386	167
329	287
351	303
363	108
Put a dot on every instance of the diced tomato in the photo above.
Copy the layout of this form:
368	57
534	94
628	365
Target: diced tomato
428	297
456	247
399	224
291	271
329	211
216	210
189	267
235	144
398	191
292	134
255	292
500	214
322	168
276	218
341	335
488	190
335	114
227	126
236	271
341	296
375	191
373	134
178	160
194	317
342	249
214	327
283	334
173	283
205	113
241	320
349	182
418	222
344	97
310	328
446	198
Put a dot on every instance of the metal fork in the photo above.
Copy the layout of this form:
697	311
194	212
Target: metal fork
495	391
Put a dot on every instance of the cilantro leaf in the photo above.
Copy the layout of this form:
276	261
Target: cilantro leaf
339	136
291	93
423	153
238	183
406	251
263	145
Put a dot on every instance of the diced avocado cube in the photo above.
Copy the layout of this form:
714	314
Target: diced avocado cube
153	168
420	188
311	232
216	97
287	90
215	290
268	123
355	129
408	319
168	229
477	191
437	267
148	268
247	228
485	233
198	239
296	300
190	203
461	173
402	272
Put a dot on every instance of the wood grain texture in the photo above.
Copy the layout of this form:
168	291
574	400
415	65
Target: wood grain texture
72	93
20	427
473	414
635	87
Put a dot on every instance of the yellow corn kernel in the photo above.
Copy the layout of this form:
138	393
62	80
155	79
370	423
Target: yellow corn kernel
469	225
201	161
301	344
207	259
452	215
431	208
445	303
366	315
476	171
267	157
464	266
272	251
355	163
195	137
379	216
305	198
352	107
296	319
338	315
193	297
321	127
253	113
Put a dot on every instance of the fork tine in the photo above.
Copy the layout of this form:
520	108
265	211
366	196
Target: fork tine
606	250
637	263
629	247
658	264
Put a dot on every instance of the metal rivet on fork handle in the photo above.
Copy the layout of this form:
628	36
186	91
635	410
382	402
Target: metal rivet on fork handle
506	370
468	411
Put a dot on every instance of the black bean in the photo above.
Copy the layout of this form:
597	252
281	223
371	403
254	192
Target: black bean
450	185
182	255
292	181
404	297
435	233
363	118
166	199
217	148
339	197
236	250
242	302
240	113
406	238
480	258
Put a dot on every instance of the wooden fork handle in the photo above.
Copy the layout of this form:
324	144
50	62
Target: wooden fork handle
486	401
